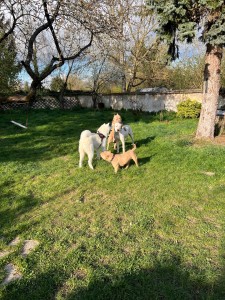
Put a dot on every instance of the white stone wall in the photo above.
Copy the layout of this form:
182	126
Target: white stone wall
144	101
151	102
85	100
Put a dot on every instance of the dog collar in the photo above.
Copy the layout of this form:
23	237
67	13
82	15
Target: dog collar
112	157
101	135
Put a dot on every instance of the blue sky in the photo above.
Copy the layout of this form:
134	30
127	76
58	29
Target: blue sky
186	51
24	76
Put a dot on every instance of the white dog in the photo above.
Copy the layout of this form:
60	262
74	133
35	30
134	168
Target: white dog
89	142
121	132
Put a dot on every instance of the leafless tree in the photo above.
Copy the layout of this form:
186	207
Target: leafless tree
136	50
45	29
14	12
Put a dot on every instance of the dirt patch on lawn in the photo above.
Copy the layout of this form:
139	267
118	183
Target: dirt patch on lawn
15	241
220	140
29	245
12	274
4	253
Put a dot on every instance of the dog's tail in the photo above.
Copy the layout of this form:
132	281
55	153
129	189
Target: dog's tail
134	147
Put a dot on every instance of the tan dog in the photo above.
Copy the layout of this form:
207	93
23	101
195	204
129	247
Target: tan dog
111	139
120	160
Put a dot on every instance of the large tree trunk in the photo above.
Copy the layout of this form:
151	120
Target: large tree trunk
206	125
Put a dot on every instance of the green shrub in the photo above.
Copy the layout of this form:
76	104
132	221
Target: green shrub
189	109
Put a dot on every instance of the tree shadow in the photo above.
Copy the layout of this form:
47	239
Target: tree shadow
15	207
48	136
160	282
139	142
40	287
167	281
145	160
51	133
145	141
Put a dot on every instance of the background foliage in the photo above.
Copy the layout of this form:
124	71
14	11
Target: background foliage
189	109
9	67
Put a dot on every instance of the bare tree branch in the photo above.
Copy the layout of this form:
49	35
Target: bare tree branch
50	21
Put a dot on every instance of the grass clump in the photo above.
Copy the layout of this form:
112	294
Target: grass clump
151	232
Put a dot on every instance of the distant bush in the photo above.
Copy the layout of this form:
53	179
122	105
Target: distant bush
189	109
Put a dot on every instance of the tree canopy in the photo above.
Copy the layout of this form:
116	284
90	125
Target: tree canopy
9	66
50	33
183	20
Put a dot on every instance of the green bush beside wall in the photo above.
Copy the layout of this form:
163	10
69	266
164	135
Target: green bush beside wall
189	109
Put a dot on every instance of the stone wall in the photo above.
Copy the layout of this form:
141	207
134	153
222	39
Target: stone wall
148	101
151	102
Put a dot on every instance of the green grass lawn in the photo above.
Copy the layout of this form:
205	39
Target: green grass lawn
153	232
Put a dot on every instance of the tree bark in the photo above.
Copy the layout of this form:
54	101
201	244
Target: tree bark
206	124
124	83
95	99
61	95
32	92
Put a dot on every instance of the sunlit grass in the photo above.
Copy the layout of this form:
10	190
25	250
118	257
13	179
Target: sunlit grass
153	232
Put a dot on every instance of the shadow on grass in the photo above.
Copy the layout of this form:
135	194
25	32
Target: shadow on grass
43	287
15	207
138	143
145	141
161	282
168	281
37	143
14	218
144	160
50	134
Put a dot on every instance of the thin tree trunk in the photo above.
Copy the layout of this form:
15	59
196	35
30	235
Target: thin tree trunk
95	99
64	87
61	95
32	92
206	125
123	83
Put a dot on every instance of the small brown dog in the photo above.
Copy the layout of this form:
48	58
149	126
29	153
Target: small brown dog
120	160
116	119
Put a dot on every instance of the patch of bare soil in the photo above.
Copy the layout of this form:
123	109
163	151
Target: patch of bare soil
15	242
29	245
220	140
4	253
12	274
